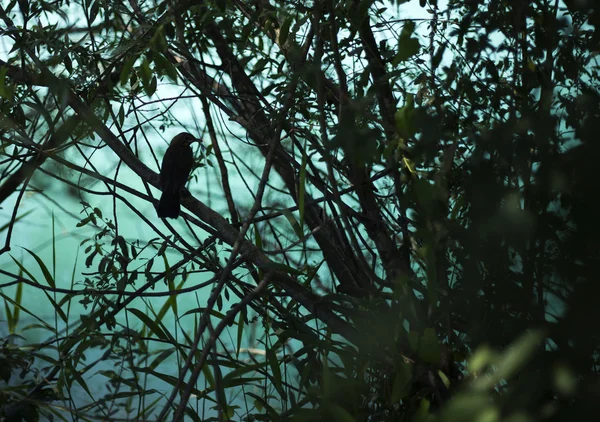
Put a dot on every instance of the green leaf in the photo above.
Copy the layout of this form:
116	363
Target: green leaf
512	361
480	359
312	274
402	382
126	70
9	319
5	92
158	43
407	46
429	348
338	413
259	66
25	214
86	220
150	323
284	31
427	345
444	378
274	364
151	88
24	6
121	283
405	116
276	266
145	73
17	309
301	188
121	115
165	66
47	275
94	10
518	354
565	380
5	370
257	238
74	373
294	223
240	332
208	376
68	63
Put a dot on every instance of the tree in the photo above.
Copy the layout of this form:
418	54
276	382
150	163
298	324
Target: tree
392	211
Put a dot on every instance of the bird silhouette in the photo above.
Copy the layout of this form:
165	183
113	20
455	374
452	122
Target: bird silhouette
174	173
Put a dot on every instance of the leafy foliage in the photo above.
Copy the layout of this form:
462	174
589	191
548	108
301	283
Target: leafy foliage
394	218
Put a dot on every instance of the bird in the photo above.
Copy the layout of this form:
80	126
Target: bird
175	170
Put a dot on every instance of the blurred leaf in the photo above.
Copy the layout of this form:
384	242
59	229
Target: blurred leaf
565	380
407	46
482	357
284	30
126	69
275	370
45	271
405	118
294	223
240	332
402	381
512	360
151	324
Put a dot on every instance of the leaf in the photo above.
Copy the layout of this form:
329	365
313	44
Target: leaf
151	324
126	70
85	221
74	373
165	66
444	378
404	118
24	6
274	364
480	359
284	31
427	345
145	73
68	63
259	66
151	88
294	223
301	188
4	91
402	382
148	268
17	309
339	413
276	266
519	353
45	271
121	115
9	319
121	283
122	245
512	361
5	370
257	238
240	332
94	10
407	46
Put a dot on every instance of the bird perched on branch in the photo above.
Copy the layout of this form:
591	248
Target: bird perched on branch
174	172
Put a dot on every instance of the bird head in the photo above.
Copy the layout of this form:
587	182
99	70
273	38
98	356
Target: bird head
185	139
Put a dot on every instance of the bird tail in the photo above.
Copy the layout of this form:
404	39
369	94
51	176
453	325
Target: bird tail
168	207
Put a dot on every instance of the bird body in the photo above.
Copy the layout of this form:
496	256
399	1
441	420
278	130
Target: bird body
175	170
